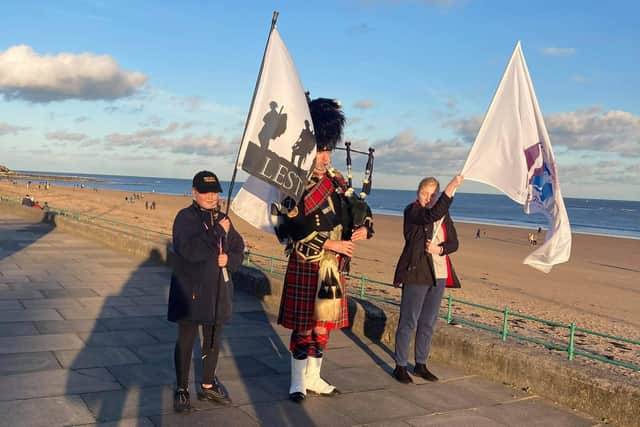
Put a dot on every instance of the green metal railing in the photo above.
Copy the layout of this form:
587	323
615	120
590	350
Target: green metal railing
277	266
268	264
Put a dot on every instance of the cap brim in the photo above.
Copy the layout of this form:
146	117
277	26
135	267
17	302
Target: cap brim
211	188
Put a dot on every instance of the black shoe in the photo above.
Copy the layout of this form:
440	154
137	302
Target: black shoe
422	371
216	393
401	374
181	400
297	397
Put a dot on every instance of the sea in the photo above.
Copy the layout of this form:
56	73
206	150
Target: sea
619	218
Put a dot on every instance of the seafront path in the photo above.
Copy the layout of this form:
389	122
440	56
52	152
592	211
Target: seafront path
84	341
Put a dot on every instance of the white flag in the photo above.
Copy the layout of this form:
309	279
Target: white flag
512	153
278	148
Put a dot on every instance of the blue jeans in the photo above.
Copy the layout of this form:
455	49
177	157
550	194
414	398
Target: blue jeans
419	309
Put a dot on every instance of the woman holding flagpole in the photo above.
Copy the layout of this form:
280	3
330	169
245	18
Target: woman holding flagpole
314	300
424	270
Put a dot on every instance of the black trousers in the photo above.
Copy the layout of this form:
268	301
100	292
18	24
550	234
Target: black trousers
187	332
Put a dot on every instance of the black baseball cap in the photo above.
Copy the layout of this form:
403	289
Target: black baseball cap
206	182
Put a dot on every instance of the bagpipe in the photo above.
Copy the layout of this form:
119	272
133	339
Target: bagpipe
351	209
358	212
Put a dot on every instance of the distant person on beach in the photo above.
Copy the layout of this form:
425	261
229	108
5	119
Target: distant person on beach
314	298
153	205
424	270
478	233
207	250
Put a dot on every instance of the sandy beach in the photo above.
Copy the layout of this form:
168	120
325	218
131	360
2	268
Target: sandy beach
599	288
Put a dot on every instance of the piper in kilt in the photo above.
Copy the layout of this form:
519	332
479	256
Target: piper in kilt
321	236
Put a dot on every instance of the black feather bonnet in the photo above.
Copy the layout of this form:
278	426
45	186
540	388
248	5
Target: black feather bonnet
328	121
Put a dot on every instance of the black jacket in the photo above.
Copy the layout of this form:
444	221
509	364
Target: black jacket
196	275
415	266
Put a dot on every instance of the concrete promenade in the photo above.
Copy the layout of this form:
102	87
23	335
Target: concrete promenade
84	341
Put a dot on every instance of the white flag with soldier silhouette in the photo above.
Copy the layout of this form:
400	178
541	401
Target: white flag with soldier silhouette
279	147
512	153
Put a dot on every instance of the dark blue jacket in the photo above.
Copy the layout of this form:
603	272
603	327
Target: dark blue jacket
196	276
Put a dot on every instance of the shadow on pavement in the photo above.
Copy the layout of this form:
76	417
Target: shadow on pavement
255	362
373	330
128	349
14	240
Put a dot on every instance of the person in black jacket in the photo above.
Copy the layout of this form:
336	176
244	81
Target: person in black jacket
207	249
423	271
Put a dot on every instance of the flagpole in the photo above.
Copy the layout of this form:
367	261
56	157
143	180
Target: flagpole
274	20
215	331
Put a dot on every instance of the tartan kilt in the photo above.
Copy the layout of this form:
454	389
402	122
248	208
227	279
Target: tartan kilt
299	296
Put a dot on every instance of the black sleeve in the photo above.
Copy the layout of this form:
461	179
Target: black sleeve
235	249
191	240
451	245
405	223
422	216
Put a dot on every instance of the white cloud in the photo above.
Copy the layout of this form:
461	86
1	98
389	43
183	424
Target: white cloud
206	145
25	74
65	136
404	154
90	142
593	129
559	51
163	140
140	137
364	104
466	127
7	129
602	172
590	129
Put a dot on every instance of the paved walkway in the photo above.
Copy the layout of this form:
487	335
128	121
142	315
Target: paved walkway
84	340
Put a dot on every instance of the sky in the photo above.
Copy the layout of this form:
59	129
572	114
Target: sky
160	88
